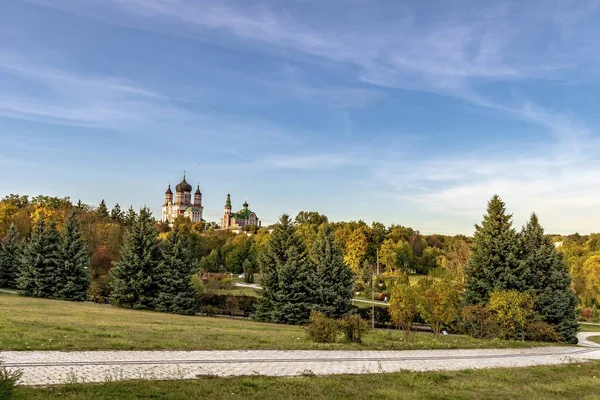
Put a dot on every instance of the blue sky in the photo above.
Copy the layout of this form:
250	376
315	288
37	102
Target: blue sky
412	113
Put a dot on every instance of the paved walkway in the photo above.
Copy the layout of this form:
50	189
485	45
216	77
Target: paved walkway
52	367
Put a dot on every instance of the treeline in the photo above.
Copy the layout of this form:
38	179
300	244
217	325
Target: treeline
48	264
516	285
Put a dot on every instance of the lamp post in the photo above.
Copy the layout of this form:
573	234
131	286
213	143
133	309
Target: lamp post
373	292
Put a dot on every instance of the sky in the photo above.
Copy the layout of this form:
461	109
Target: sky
411	113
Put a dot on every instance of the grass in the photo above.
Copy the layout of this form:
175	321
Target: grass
589	328
39	324
595	339
571	381
236	290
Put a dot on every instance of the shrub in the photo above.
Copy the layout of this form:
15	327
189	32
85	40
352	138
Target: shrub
354	327
382	316
541	332
99	292
210	311
232	305
223	303
594	317
479	322
321	328
514	310
8	380
586	314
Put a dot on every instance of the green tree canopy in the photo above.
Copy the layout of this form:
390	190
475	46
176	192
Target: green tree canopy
73	275
333	281
10	258
135	275
41	261
176	292
548	280
494	264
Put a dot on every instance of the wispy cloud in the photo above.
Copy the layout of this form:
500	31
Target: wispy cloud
61	97
321	161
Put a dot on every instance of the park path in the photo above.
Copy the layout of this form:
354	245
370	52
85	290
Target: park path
53	367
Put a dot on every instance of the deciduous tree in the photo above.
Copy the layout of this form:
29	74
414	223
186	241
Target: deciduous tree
404	306
439	301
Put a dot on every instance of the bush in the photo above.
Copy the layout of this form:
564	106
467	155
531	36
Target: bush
382	316
224	303
586	314
321	328
99	292
541	332
8	380
479	322
209	310
354	327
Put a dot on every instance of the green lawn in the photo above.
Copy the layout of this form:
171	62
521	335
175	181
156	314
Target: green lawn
595	339
38	324
572	381
589	328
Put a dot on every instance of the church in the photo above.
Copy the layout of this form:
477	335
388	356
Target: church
183	206
238	220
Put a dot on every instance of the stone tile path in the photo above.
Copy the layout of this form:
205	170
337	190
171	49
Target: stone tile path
51	367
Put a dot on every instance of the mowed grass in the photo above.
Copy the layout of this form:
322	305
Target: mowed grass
595	339
571	381
39	324
589	328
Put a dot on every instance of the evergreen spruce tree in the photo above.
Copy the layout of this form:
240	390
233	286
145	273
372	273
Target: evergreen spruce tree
494	262
176	292
130	217
73	277
333	280
548	280
102	210
116	214
10	258
135	276
286	277
40	261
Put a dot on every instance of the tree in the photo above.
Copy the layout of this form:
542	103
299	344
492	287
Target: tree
135	275
333	280
388	255
356	249
404	306
438	303
548	281
40	261
176	292
591	272
286	295
131	217
307	225
102	211
10	254
513	309
73	276
116	214
494	264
